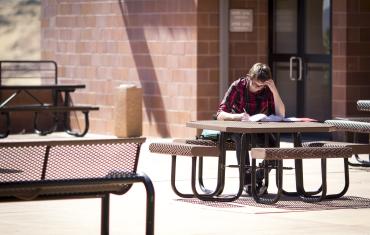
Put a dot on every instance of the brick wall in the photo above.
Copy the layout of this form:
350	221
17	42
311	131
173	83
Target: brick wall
170	48
351	55
149	43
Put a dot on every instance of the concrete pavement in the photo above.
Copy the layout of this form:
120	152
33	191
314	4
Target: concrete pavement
349	215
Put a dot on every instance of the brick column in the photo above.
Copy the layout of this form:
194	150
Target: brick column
351	56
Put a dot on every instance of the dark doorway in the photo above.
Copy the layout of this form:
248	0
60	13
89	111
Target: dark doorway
300	55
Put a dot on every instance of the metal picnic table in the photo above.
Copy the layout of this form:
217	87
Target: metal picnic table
252	128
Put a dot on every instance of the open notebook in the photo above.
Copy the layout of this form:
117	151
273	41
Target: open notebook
275	118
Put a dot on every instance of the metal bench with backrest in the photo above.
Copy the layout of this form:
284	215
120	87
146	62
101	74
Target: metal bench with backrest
77	168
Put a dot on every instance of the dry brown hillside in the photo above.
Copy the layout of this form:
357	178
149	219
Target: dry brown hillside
19	29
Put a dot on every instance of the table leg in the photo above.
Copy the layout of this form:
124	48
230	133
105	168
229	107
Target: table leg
299	176
271	164
66	122
346	182
206	191
173	180
243	160
279	179
298	163
7	125
48	131
216	195
308	196
360	162
221	163
297	141
200	175
220	170
67	127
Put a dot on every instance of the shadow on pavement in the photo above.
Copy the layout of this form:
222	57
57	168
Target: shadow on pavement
290	203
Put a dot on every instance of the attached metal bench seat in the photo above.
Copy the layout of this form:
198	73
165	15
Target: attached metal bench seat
357	148
363	105
355	126
184	149
281	154
350	126
195	151
77	168
229	145
50	109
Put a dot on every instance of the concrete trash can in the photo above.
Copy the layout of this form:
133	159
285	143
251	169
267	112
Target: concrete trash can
128	120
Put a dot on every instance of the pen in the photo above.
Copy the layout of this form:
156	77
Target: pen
245	117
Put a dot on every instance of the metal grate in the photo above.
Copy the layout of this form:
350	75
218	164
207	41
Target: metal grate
306	152
21	163
64	162
352	126
363	105
91	161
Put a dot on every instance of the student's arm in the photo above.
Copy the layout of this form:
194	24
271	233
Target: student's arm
279	105
225	111
232	116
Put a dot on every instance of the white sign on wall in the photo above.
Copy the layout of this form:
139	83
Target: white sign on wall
241	20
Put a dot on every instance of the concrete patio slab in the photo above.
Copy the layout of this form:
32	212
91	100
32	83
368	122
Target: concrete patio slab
174	215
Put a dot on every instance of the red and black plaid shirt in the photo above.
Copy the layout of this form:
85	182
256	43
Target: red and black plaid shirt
238	98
